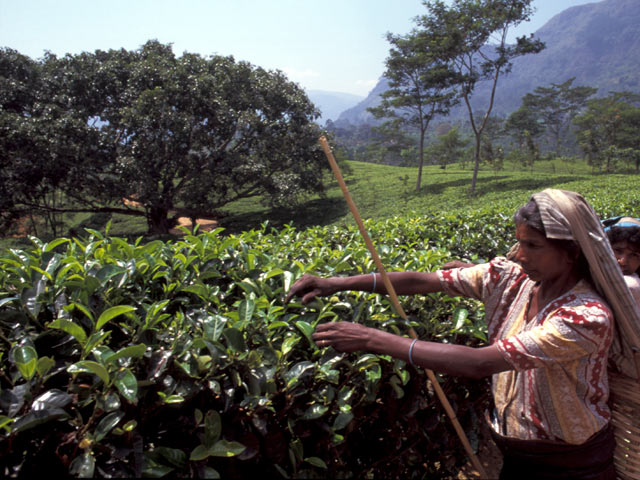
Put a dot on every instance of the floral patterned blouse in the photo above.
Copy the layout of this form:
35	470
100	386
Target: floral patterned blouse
558	388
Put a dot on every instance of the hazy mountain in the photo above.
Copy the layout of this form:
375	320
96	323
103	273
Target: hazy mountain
332	104
598	43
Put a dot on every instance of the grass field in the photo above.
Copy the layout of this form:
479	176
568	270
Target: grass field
382	191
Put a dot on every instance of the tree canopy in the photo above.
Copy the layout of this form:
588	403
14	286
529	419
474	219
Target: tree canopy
472	36
178	135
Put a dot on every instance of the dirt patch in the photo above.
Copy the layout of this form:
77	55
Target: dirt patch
206	224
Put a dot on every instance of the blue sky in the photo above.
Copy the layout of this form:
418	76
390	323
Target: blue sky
334	45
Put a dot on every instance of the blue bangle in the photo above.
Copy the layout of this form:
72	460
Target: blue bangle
411	351
373	290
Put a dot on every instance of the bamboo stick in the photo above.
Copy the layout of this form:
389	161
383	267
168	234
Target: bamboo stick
394	300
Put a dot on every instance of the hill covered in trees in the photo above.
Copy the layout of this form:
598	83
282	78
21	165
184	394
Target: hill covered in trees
597	43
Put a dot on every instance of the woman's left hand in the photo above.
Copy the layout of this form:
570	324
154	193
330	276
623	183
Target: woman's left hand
343	336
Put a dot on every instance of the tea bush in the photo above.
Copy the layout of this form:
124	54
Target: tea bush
179	358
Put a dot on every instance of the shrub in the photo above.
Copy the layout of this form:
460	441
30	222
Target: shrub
179	358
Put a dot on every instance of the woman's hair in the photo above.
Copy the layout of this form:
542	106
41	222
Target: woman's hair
624	234
529	215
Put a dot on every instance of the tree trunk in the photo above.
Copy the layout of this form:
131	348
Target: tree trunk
158	220
476	165
418	183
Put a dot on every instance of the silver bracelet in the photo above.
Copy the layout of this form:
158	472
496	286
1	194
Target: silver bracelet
411	351
373	290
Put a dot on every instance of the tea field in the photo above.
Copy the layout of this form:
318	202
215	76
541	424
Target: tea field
130	356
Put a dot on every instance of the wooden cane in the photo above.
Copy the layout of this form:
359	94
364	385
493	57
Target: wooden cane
394	300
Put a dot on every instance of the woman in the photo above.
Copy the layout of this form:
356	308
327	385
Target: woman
549	334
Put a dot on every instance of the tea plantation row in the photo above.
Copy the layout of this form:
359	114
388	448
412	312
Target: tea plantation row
179	358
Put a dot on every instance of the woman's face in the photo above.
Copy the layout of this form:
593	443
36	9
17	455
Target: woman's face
628	258
541	259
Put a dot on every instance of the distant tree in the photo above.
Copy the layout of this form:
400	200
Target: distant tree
556	106
608	129
449	148
419	88
522	125
472	35
389	144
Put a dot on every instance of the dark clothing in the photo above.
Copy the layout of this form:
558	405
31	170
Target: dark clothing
540	460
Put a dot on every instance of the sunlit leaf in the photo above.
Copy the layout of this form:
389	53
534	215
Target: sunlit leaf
111	313
26	359
90	366
73	329
127	384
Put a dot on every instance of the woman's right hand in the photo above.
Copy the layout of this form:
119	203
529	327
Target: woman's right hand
308	287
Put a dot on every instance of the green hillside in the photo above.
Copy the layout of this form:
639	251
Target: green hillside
382	191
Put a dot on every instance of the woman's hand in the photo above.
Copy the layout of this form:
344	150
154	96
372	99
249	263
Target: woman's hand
343	336
308	287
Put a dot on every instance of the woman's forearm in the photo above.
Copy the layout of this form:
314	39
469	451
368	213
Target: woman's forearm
404	283
446	358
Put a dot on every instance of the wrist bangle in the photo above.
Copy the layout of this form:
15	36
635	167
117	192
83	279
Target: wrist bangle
411	351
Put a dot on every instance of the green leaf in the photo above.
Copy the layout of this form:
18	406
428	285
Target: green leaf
223	448
235	340
315	411
90	367
288	343
71	328
213	327
199	453
107	424
273	273
83	466
83	309
132	351
307	329
459	317
212	428
111	313
26	359
7	300
316	462
54	243
5	422
127	385
44	365
94	340
342	420
246	309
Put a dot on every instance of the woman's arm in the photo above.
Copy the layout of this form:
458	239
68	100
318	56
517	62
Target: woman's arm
456	360
404	283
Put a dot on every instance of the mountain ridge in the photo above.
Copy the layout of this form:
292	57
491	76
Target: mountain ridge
332	104
597	43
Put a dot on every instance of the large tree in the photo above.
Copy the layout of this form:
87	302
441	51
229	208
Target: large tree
472	35
177	135
419	88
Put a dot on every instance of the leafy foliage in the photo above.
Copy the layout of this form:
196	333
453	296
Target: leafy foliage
178	136
179	358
